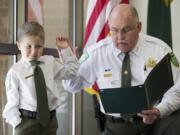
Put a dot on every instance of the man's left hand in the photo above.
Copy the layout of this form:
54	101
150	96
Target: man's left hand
149	116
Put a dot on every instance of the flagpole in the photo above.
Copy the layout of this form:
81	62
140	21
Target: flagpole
14	33
73	43
14	27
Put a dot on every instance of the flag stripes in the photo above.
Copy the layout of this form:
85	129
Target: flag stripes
94	17
35	11
96	20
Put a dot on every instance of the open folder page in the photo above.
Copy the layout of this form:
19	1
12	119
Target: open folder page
137	98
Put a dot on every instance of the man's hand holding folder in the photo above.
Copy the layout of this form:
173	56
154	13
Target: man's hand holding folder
149	116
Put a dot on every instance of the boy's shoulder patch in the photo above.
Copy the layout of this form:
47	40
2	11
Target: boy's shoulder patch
174	59
84	57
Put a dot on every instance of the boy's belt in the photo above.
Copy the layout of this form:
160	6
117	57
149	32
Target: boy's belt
33	115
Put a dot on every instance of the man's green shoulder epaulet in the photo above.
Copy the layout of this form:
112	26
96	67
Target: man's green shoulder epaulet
174	59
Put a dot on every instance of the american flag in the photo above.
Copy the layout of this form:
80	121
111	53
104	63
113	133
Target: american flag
96	22
35	11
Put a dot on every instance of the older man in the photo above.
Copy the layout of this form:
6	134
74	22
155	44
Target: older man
103	63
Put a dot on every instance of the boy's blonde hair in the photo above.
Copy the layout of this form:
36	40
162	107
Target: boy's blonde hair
31	29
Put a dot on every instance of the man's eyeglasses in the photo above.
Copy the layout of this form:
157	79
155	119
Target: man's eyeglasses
115	31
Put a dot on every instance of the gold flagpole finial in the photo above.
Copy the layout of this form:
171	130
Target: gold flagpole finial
167	2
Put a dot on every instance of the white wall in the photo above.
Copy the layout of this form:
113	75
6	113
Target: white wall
141	6
176	27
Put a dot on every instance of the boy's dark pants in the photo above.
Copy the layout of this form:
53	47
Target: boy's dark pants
30	126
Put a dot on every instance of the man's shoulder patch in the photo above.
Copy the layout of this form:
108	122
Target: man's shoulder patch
174	59
84	57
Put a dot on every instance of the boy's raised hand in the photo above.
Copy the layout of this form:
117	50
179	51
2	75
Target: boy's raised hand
62	42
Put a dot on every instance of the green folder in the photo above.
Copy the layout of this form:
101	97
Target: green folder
131	100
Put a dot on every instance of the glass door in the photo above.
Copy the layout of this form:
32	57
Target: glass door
6	55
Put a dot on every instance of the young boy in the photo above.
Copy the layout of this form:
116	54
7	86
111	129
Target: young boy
21	108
